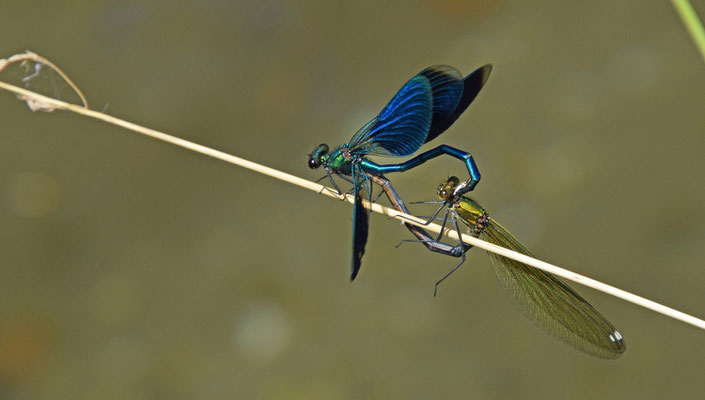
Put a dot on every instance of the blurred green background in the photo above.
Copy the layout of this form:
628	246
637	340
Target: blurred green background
132	269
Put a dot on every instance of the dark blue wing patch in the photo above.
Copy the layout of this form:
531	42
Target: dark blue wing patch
447	88
448	102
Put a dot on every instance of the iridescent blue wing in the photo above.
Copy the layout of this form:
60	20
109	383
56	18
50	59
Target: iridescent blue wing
447	88
452	94
402	126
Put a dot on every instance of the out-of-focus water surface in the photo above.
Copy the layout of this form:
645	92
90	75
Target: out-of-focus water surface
132	269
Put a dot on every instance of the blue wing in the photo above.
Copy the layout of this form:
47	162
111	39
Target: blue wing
452	94
447	88
402	126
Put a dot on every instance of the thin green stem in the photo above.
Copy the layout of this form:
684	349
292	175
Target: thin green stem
692	23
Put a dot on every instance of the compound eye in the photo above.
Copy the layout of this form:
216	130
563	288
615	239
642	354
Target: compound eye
313	163
443	194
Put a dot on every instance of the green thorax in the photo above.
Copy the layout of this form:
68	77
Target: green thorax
340	160
471	213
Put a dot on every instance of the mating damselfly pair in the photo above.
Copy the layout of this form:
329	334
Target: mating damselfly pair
427	105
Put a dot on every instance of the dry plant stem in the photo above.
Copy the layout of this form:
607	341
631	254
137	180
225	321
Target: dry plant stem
50	103
29	56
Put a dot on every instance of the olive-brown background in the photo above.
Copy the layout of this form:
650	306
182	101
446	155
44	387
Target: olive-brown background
132	269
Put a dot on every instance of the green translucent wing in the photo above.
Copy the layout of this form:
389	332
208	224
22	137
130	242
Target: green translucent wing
553	305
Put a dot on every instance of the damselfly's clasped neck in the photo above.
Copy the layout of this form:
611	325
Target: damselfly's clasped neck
421	110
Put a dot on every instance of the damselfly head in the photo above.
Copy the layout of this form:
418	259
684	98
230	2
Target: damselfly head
446	188
318	156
